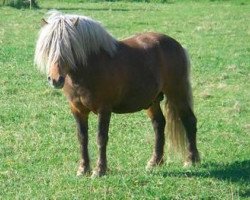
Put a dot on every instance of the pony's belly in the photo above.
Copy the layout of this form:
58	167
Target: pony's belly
136	104
126	110
130	108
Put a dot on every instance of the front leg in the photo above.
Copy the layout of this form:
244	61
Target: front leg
81	117
102	141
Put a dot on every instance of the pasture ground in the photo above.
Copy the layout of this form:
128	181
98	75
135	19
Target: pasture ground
38	146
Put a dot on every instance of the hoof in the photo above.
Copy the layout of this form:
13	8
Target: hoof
97	173
150	166
194	161
187	164
153	163
83	171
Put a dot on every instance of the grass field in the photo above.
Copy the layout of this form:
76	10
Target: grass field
39	150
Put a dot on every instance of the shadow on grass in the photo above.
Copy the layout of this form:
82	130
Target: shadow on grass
238	172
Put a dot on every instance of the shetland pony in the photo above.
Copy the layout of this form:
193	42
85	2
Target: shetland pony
102	75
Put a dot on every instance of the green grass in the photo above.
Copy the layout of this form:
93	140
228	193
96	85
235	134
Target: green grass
38	146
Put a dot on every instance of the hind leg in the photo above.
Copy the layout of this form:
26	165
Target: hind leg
158	122
190	124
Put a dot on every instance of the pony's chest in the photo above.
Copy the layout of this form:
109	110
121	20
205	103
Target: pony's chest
81	97
88	100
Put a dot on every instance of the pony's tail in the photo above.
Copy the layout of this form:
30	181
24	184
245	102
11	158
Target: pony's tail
175	131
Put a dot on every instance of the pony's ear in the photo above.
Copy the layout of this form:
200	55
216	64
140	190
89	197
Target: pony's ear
75	21
43	22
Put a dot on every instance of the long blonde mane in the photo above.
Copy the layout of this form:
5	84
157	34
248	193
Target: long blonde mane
60	40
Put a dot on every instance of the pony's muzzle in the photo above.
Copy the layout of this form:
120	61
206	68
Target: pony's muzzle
57	84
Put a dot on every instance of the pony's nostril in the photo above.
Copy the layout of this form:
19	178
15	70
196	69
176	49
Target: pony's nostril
61	79
57	83
54	82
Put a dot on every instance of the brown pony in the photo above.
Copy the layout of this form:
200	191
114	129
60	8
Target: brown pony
103	75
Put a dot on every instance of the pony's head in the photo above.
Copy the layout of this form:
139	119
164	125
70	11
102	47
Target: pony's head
66	41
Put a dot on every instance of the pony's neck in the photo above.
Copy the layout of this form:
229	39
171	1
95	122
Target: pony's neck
96	64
